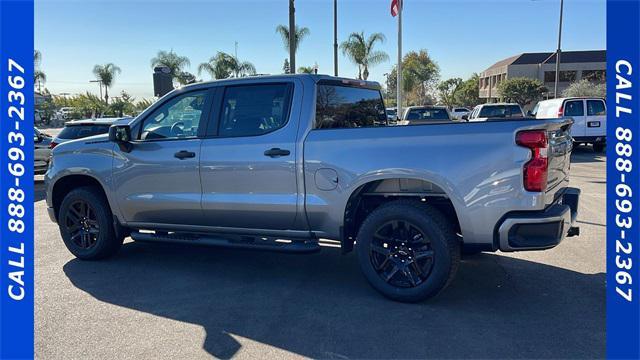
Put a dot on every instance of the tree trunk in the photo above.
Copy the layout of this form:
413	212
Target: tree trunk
365	73
106	95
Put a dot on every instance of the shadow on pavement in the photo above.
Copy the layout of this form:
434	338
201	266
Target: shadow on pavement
39	191
585	154
320	306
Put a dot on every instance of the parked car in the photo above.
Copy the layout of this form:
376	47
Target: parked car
65	112
392	114
458	112
79	129
278	162
589	118
495	111
416	115
42	152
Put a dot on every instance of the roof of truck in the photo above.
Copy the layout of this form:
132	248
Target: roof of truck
315	77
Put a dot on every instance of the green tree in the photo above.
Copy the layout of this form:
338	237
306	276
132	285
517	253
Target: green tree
521	90
143	104
420	75
173	61
122	105
106	74
447	91
286	67
585	88
217	66
39	77
360	50
468	93
301	34
306	70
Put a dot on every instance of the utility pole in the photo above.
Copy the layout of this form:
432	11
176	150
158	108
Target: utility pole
292	36
100	83
559	51
335	37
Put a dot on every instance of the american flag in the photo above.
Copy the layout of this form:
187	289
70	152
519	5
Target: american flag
396	5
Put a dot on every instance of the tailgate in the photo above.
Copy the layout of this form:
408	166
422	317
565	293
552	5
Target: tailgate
559	155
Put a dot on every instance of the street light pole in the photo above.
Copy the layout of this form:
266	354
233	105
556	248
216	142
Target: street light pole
100	83
559	51
335	37
292	36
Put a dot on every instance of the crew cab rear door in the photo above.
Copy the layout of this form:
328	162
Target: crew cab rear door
248	166
157	182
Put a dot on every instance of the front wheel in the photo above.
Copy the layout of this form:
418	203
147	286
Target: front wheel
408	251
86	225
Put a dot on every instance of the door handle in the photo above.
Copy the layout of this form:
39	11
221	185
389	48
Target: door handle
184	154
275	152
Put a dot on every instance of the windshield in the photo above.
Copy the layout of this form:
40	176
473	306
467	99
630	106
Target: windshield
428	114
82	131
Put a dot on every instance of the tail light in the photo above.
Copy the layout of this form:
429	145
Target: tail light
561	111
535	170
52	144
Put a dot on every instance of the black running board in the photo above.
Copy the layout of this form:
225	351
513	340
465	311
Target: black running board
230	241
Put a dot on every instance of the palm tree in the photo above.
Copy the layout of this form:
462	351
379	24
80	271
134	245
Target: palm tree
106	74
301	34
39	76
360	51
173	61
306	70
223	65
217	66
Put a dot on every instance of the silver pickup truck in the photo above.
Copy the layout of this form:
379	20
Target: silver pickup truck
288	163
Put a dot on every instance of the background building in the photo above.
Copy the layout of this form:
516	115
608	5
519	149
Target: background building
574	65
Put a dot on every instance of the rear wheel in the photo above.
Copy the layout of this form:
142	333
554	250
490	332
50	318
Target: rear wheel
408	251
598	147
86	225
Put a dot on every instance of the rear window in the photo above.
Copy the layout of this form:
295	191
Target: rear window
574	108
428	114
340	107
82	131
461	110
596	108
500	111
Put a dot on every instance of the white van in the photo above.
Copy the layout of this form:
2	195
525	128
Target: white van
589	118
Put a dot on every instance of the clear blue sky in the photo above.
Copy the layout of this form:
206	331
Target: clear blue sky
462	36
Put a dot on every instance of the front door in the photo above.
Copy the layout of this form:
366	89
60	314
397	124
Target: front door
158	181
248	165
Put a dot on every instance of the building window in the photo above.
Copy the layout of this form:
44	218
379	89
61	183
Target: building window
594	75
564	76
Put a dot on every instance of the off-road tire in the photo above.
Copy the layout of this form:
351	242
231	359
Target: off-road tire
106	242
444	243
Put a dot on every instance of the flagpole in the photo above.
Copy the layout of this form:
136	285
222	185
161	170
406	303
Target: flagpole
399	72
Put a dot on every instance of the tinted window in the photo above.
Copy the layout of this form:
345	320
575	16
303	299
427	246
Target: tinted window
596	107
461	110
428	114
348	107
177	118
573	108
254	109
500	111
82	131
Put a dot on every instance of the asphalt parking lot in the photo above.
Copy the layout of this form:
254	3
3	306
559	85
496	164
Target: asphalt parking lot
171	301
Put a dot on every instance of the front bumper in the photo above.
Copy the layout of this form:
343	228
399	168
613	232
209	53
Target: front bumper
541	230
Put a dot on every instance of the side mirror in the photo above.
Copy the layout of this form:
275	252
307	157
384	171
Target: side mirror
121	135
465	117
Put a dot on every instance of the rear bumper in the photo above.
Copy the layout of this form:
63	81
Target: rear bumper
541	230
590	139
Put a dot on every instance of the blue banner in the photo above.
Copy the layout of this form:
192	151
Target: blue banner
16	179
623	183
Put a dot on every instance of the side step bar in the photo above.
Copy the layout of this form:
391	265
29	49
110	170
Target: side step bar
230	241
